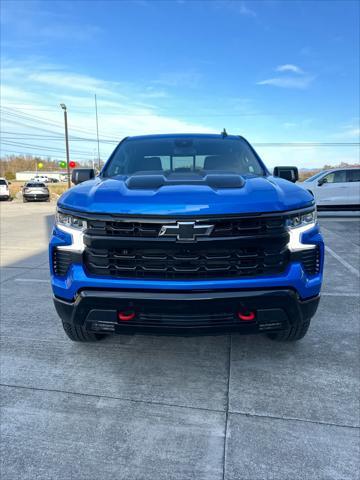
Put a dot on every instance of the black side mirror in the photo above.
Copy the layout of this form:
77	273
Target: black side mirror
322	181
287	173
80	175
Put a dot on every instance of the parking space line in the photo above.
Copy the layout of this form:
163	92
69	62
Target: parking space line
342	261
336	234
336	294
37	280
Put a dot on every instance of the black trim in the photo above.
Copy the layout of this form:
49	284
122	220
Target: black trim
154	181
340	208
155	218
186	312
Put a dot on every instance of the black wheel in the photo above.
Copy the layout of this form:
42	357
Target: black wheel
76	333
292	334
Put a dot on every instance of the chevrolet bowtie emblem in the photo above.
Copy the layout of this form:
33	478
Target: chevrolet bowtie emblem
186	231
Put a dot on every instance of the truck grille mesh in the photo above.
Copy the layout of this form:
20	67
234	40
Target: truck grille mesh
223	228
185	263
236	247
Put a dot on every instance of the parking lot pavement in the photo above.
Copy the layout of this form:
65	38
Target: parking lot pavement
137	407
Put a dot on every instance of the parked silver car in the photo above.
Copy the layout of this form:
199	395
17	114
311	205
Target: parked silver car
36	191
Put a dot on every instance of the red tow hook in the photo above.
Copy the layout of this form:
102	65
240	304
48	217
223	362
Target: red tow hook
246	316
126	315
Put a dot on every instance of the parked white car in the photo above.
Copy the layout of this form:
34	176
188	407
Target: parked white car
4	189
336	188
40	178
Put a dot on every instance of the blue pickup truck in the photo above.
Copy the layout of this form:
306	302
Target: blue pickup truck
186	234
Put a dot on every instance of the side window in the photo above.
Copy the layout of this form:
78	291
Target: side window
336	177
353	175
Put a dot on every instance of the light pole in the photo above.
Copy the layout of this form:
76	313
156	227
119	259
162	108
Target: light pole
63	106
97	133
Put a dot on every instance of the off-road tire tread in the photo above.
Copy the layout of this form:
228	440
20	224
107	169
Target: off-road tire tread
292	334
77	333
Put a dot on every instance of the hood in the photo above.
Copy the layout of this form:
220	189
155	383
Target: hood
258	194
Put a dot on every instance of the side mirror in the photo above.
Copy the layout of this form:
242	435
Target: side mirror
287	173
80	175
322	181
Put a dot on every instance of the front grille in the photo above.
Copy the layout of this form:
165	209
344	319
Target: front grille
236	247
190	262
61	261
223	228
310	260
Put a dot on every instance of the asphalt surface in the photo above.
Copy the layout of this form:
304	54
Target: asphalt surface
137	407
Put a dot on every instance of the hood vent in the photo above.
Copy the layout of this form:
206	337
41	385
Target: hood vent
146	181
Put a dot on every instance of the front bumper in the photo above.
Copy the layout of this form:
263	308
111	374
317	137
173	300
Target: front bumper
186	313
77	278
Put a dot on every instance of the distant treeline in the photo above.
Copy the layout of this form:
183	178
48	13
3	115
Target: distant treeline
11	164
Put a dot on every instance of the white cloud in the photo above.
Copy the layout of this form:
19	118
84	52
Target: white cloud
72	81
244	10
179	79
289	67
307	157
294	77
33	24
288	82
350	131
234	6
31	89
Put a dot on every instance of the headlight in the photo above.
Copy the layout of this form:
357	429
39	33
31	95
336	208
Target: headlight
300	220
70	221
298	224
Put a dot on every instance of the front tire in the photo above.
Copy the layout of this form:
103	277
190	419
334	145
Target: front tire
293	333
77	333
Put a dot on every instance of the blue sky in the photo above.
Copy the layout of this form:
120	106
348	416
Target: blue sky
273	71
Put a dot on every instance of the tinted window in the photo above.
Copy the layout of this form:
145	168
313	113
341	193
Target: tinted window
37	184
314	177
179	155
2	182
336	177
353	175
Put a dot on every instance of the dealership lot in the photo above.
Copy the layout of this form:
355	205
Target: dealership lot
136	407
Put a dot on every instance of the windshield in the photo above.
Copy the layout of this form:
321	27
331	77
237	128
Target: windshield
182	155
2	182
314	177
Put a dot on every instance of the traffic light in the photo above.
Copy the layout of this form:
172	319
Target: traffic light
72	164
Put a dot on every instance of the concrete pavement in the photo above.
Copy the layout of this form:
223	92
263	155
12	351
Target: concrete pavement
137	407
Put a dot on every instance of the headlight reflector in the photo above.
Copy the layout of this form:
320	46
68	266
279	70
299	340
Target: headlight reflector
299	220
70	221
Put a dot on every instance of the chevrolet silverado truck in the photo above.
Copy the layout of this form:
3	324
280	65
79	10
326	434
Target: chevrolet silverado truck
186	234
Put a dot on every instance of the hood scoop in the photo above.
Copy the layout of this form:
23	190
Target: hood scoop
154	181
